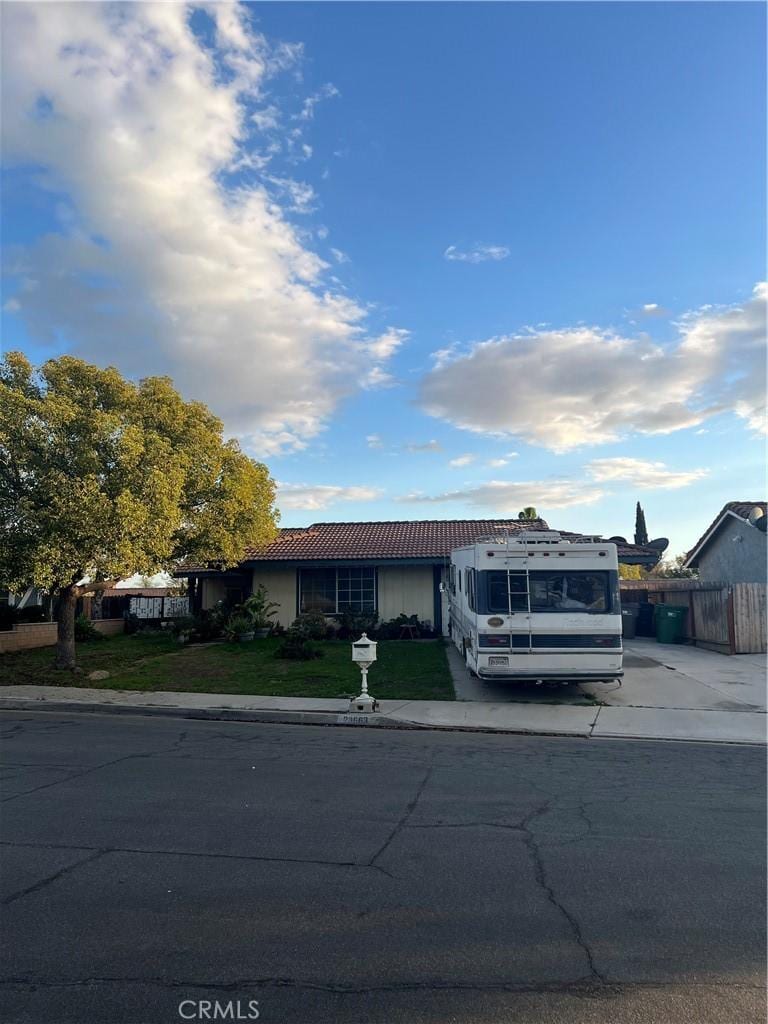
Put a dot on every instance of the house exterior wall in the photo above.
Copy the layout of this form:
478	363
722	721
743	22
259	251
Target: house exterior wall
727	560
281	588
406	588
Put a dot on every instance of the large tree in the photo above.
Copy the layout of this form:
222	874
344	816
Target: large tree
101	477
528	514
641	531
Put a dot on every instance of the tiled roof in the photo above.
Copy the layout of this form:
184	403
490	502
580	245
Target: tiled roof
738	508
429	538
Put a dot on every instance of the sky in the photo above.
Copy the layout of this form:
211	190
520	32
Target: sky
425	260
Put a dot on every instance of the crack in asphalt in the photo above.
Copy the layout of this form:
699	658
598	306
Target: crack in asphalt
579	986
532	843
43	882
409	809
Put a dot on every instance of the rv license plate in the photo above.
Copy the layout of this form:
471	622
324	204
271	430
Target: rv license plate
497	659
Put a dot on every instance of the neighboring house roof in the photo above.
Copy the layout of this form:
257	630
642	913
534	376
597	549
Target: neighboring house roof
736	509
400	539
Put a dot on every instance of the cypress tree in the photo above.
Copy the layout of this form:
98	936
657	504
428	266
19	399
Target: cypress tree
641	531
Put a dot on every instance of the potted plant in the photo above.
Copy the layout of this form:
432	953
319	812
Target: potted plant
239	627
260	610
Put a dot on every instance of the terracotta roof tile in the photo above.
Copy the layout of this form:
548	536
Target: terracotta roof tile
428	539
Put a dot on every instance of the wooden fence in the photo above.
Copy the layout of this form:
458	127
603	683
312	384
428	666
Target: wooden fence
730	618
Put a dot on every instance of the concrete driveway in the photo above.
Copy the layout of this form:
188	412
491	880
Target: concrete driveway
655	676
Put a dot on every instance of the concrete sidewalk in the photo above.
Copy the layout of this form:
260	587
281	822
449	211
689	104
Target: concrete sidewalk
591	722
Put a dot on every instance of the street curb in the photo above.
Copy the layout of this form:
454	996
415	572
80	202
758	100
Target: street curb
324	718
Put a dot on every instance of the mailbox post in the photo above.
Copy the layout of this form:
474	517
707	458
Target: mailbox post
364	655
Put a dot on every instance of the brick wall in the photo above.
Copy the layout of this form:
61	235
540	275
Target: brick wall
27	635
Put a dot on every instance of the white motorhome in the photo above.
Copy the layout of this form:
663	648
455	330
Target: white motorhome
532	605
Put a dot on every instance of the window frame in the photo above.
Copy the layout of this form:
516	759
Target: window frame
364	584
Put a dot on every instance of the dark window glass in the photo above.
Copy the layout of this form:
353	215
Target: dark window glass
569	591
550	592
318	590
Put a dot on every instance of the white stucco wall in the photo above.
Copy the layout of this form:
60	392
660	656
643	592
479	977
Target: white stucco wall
406	588
281	587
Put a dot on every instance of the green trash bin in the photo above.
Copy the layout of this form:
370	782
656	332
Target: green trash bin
670	619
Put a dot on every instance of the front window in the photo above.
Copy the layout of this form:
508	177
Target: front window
502	591
332	591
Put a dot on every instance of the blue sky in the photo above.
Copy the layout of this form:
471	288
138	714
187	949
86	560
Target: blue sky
381	239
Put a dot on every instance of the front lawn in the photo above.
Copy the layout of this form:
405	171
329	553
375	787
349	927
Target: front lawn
406	669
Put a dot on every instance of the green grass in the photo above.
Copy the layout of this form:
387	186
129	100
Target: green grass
405	669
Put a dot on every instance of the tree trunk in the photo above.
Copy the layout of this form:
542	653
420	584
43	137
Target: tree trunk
65	634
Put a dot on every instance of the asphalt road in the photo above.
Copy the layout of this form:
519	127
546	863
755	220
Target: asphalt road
349	875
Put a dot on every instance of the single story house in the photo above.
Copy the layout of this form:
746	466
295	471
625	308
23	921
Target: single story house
384	567
733	548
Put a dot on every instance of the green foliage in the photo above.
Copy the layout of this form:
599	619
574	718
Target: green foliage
528	513
237	624
101	477
183	626
631	572
352	624
300	639
259	608
672	569
313	625
85	632
641	532
392	630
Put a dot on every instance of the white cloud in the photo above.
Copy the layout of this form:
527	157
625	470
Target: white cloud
425	446
508	497
477	254
171	265
339	256
653	309
326	92
497	463
374	441
462	460
385	346
582	385
644	475
376	378
319	496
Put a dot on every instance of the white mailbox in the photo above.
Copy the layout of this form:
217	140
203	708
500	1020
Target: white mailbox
364	651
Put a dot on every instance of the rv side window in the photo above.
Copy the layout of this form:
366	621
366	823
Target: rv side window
452	578
471	588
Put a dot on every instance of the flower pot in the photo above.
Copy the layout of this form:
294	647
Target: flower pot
261	633
244	638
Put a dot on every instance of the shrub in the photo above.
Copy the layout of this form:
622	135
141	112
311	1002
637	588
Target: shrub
132	624
237	624
297	646
352	624
312	624
209	625
183	626
391	630
85	631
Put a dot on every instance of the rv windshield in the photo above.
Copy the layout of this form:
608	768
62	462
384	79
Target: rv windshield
576	591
